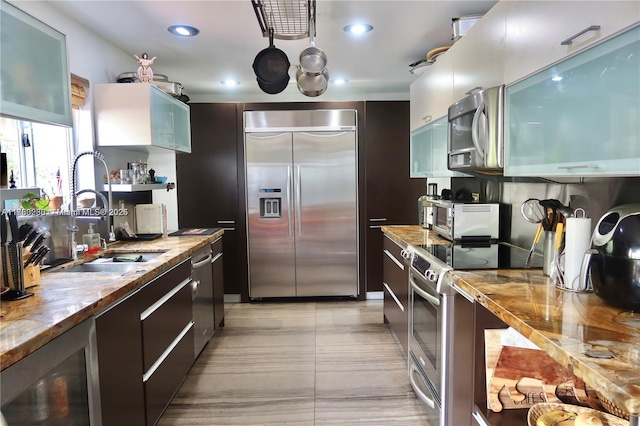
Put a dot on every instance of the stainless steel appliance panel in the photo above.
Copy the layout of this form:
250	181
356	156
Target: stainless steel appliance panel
269	158
326	213
202	296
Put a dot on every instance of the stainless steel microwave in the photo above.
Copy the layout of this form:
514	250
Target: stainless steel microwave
476	132
454	220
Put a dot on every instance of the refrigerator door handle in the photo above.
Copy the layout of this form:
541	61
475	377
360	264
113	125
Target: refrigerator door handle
289	198
298	201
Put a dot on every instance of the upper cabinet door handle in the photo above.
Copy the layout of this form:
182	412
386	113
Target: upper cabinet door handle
568	41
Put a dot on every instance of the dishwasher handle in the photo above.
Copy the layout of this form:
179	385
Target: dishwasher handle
202	262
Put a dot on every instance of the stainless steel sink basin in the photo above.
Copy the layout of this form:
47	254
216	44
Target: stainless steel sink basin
110	256
113	268
108	263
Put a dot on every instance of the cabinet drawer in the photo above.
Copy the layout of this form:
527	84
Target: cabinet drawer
163	322
163	284
395	271
166	379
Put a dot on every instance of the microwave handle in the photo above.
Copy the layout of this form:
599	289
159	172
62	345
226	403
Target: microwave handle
474	129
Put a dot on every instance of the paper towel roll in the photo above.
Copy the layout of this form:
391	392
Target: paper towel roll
577	242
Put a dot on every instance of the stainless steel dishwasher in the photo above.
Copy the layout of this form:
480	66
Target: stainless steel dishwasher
202	286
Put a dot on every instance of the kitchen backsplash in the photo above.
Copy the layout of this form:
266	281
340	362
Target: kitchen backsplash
600	194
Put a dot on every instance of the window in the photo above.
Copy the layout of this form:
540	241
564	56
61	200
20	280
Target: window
38	155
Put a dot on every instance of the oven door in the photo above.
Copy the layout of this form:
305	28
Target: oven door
442	221
425	332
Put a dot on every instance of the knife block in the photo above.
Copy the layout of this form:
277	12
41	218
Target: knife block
31	276
31	272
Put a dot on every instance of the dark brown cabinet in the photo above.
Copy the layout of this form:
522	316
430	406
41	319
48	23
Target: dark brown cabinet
214	172
391	196
145	349
209	190
395	284
217	268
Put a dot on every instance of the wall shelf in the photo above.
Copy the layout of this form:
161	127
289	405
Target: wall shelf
134	188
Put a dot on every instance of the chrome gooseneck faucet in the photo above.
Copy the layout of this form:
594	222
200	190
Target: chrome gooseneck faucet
73	228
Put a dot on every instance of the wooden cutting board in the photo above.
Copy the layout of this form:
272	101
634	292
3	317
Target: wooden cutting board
523	377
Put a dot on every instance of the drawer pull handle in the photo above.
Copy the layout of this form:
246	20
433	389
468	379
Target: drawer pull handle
146	376
151	309
393	296
568	41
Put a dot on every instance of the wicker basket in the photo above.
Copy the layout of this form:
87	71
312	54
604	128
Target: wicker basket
611	407
539	409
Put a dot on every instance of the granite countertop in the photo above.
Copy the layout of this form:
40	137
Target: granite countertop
599	343
63	300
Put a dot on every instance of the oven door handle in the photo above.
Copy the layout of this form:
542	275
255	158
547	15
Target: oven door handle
424	398
431	299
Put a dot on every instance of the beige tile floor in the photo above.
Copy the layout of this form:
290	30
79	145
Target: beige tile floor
307	363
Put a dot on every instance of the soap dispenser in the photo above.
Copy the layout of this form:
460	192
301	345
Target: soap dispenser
92	240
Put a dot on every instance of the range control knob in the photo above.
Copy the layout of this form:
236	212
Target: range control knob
406	254
432	275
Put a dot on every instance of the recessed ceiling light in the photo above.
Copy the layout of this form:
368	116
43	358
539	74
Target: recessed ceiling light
340	81
230	83
556	78
183	30
357	28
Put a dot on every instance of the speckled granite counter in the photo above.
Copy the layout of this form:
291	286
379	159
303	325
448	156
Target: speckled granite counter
599	343
65	299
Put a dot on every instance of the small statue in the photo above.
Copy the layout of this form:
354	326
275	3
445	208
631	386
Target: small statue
12	181
145	73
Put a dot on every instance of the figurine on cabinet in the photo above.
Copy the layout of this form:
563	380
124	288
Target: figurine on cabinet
145	73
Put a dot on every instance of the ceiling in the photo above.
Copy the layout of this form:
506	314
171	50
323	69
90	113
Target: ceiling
376	64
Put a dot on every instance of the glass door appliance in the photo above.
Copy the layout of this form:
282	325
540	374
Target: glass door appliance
55	385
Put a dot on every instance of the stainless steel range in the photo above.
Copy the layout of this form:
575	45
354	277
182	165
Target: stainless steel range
441	343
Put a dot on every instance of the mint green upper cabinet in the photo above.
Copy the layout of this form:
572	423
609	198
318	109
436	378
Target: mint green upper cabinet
429	151
139	116
34	85
580	117
536	29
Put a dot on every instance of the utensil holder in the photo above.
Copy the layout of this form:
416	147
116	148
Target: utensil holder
577	242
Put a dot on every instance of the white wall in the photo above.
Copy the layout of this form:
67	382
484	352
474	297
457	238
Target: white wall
97	60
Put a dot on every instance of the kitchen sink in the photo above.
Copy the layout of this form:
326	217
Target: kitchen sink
122	257
113	268
116	262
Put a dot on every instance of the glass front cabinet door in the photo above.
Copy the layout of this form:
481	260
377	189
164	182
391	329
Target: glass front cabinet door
35	82
429	150
579	117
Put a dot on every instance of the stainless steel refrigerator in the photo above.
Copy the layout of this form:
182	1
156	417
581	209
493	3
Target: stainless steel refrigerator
301	179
